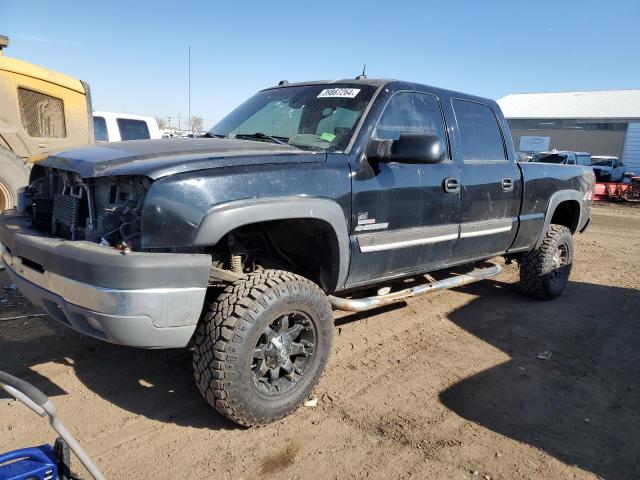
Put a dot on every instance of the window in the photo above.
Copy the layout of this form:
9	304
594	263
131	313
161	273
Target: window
100	129
132	129
411	112
41	115
309	117
584	160
479	132
559	158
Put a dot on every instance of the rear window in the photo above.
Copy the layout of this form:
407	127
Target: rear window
584	160
549	158
133	129
479	132
100	129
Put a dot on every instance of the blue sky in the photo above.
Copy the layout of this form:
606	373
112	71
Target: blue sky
134	53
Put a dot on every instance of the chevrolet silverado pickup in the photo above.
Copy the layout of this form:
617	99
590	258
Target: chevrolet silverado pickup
307	197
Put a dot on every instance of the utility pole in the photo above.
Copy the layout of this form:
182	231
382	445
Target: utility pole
179	127
190	123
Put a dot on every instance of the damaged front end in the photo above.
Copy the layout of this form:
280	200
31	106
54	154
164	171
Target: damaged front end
74	250
106	210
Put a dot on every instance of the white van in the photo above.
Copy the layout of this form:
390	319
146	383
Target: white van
115	127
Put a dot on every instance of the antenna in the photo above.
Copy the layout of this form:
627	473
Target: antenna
362	76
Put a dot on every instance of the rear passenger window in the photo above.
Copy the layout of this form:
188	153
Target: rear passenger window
479	132
411	112
132	129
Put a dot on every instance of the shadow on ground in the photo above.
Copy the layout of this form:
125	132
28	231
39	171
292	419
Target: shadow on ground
583	404
157	384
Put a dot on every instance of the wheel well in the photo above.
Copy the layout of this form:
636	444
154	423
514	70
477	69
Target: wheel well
306	246
567	213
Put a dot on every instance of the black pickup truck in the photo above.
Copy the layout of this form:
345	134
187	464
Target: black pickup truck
308	196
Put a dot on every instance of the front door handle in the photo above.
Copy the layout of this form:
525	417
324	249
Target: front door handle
451	185
507	184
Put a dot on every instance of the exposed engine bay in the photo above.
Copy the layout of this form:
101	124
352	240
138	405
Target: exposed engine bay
102	210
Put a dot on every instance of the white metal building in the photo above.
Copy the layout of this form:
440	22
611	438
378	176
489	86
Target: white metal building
601	122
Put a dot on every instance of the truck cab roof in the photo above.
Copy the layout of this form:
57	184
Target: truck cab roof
390	82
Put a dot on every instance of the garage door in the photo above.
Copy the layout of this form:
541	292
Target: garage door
631	152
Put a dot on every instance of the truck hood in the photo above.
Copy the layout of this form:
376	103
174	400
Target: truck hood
159	158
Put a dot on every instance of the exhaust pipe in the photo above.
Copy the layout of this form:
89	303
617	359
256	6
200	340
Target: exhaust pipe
368	303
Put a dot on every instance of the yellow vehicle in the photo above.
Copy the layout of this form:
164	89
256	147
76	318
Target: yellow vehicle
40	111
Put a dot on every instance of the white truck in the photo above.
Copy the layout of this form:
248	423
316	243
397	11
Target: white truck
116	127
608	169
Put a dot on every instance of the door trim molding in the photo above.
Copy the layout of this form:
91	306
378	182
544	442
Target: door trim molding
486	227
411	237
407	237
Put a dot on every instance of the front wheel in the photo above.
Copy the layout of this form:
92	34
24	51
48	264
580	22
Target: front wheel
262	346
544	271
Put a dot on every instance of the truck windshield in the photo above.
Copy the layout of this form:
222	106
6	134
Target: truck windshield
605	162
549	158
310	117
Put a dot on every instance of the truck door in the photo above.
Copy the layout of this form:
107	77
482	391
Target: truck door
491	183
403	219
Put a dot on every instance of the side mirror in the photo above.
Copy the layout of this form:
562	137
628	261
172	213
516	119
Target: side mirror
409	148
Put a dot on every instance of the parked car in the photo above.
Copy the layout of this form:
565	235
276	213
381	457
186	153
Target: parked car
116	127
563	158
308	196
608	169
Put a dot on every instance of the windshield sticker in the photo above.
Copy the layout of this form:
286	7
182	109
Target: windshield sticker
328	137
339	93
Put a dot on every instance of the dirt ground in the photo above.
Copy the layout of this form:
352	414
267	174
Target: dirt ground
445	386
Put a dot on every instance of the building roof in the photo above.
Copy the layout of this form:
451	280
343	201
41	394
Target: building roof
602	104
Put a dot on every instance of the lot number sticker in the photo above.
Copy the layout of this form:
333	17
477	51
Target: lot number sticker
339	93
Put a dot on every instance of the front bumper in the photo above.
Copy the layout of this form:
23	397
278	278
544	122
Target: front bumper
149	300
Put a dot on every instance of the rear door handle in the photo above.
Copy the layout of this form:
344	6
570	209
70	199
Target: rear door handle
507	184
451	185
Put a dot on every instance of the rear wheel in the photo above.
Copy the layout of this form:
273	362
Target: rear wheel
262	346
544	271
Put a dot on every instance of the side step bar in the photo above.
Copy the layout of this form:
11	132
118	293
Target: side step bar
363	304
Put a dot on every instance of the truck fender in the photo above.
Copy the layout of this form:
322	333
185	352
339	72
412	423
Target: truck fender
224	217
556	199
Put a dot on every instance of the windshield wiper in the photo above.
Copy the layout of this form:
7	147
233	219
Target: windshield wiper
263	136
214	135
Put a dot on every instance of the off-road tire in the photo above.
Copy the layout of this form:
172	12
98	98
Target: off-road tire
13	175
227	334
539	277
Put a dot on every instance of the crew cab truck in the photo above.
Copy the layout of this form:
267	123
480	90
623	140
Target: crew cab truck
308	196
